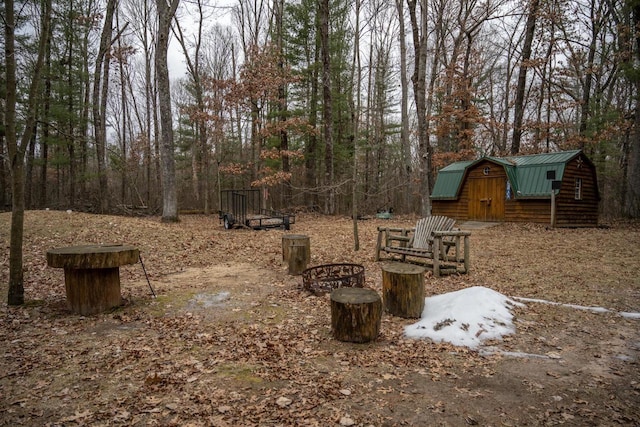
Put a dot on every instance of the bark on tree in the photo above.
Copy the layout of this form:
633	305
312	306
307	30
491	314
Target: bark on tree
518	107
327	108
356	77
632	198
169	192
99	101
419	32
16	149
405	173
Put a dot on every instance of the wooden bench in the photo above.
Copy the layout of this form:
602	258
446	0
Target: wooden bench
433	243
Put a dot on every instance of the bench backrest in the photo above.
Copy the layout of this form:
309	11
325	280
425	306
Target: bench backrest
425	226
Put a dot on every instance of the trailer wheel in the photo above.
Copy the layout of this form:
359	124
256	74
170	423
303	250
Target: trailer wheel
228	222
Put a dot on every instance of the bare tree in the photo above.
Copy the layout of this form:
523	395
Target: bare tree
632	196
419	32
518	108
99	100
166	12
405	172
325	49
195	70
16	149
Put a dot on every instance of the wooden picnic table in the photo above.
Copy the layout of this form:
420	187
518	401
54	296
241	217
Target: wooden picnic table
92	274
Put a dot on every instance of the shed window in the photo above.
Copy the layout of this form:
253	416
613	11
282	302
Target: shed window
578	189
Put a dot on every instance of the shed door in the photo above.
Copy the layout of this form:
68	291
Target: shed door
486	199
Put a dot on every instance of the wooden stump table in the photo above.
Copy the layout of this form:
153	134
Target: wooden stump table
92	274
403	289
296	252
355	314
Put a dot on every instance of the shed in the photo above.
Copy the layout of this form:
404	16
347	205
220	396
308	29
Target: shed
518	189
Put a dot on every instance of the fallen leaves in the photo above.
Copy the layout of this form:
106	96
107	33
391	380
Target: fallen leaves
232	339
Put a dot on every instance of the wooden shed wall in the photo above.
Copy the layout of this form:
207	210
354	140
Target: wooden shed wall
456	209
569	212
578	213
528	210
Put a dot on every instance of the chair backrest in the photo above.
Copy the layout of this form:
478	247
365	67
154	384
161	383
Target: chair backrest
425	226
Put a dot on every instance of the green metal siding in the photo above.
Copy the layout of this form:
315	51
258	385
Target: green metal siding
449	180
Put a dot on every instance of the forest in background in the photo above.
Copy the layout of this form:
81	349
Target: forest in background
321	104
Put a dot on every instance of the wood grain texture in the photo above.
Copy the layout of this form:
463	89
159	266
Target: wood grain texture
403	289
92	256
356	314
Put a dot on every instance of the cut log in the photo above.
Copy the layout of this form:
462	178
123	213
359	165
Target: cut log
403	289
355	314
296	252
92	275
92	256
91	291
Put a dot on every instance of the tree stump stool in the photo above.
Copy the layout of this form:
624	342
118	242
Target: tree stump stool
92	274
296	252
403	289
355	314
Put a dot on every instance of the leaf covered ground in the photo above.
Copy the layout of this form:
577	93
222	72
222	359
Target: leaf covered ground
232	339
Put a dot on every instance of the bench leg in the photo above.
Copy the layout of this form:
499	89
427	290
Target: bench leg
436	259
466	254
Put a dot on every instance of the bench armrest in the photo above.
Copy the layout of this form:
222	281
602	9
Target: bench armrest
450	233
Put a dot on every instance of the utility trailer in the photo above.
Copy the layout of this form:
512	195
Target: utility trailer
242	208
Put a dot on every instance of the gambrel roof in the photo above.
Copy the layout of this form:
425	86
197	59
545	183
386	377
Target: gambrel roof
527	174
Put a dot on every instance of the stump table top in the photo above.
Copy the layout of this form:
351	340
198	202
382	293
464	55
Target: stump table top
402	268
92	256
354	296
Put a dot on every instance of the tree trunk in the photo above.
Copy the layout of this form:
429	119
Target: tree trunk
169	191
419	31
518	107
4	185
405	172
327	108
44	140
632	196
15	149
356	77
99	100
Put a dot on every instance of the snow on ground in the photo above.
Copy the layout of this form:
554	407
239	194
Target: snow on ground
626	314
470	316
465	318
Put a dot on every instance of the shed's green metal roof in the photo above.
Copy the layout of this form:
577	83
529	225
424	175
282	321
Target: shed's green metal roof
527	174
449	179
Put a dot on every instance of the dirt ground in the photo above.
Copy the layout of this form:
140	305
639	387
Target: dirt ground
233	340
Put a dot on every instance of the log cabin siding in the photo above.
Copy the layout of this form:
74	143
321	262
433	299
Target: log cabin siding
578	213
528	210
569	211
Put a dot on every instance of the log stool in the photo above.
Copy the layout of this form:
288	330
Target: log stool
355	314
403	289
92	274
296	252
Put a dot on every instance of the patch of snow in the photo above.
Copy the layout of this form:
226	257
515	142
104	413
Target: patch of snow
628	315
489	351
209	300
465	318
